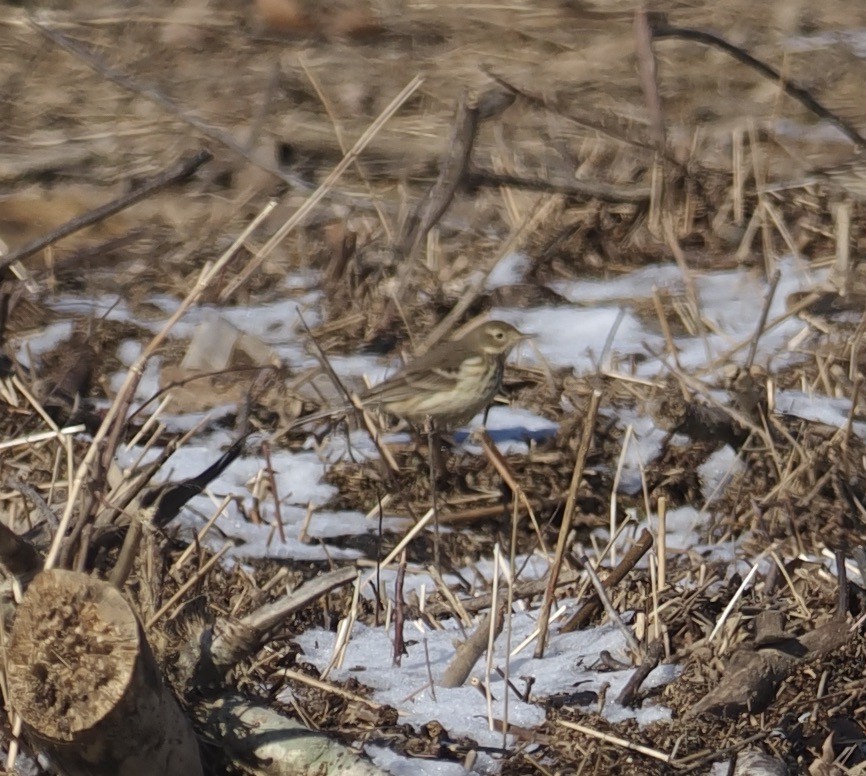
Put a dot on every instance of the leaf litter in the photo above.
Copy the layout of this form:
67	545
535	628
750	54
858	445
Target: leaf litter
729	413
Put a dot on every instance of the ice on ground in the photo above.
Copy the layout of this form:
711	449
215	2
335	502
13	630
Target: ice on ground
578	336
687	530
128	351
821	409
148	384
400	765
513	430
420	583
299	483
44	341
570	663
717	471
263	540
298	475
509	271
641	446
634	285
730	302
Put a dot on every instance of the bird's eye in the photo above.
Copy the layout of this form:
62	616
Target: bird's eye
499	335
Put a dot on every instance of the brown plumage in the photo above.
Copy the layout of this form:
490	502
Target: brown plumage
452	382
448	385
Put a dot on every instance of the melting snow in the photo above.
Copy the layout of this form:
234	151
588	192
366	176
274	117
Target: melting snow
600	329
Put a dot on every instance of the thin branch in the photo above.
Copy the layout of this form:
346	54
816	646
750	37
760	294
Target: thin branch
586	612
452	170
608	606
177	172
470	650
567	517
661	30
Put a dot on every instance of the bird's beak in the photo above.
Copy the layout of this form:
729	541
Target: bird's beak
524	337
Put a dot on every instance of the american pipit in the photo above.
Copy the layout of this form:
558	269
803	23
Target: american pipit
449	384
452	382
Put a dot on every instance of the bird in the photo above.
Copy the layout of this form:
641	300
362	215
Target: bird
452	382
448	385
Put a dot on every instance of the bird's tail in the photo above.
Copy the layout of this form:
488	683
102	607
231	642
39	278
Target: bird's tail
331	413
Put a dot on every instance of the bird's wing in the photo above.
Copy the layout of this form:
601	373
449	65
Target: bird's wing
436	370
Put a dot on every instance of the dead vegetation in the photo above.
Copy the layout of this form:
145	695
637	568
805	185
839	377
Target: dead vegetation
392	154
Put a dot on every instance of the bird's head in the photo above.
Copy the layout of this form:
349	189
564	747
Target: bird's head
495	338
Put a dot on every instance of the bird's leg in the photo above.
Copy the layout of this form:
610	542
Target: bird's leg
433	443
441	445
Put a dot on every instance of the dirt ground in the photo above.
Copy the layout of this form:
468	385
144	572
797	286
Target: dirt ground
98	99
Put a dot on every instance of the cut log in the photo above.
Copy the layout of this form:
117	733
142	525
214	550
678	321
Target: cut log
87	687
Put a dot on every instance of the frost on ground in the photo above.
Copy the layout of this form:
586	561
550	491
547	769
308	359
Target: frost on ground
597	331
569	667
736	447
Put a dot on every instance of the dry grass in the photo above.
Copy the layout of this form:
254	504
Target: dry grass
293	106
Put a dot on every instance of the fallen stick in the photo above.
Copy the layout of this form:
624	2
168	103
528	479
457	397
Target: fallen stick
235	640
593	606
654	653
267	743
470	650
471	112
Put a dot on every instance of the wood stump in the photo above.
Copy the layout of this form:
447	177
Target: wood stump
87	686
